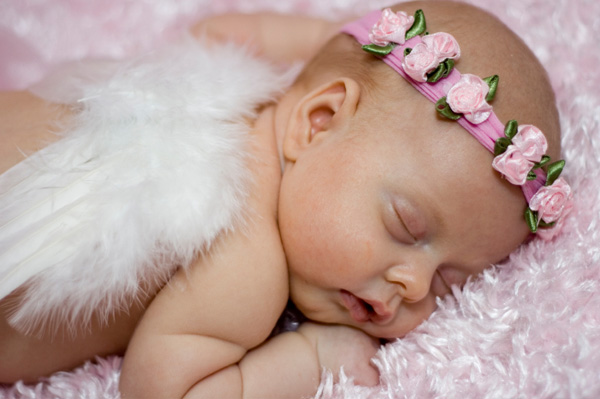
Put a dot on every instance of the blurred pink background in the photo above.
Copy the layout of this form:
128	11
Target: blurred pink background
528	329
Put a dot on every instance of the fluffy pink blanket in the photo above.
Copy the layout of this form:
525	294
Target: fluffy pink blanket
529	328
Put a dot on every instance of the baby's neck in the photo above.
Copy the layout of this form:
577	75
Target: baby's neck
265	127
264	164
279	115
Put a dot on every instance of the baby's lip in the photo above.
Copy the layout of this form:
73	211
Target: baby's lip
364	310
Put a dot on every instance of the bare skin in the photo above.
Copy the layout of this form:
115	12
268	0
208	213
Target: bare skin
28	357
28	123
357	212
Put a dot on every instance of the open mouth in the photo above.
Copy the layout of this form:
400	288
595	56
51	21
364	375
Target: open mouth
362	311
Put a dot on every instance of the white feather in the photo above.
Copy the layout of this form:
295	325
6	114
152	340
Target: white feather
150	171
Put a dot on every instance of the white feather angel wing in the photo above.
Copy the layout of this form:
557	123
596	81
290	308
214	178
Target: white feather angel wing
150	171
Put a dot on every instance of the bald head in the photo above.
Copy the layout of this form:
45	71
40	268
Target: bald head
488	47
376	180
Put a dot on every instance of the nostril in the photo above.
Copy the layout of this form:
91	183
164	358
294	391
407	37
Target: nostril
369	308
402	287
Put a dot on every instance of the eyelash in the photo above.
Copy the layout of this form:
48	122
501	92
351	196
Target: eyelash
398	229
404	226
413	238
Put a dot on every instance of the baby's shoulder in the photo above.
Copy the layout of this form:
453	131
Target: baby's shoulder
235	291
241	281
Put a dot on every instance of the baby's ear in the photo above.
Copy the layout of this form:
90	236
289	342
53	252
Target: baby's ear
317	112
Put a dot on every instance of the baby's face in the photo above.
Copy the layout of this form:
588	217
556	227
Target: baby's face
377	221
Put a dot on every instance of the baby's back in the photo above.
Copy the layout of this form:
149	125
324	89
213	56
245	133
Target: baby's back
26	124
28	356
24	129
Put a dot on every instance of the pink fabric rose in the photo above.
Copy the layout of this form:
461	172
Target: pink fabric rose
531	142
443	44
426	56
548	233
513	165
467	97
552	202
419	62
391	27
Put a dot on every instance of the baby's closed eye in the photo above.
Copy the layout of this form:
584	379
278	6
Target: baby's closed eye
403	222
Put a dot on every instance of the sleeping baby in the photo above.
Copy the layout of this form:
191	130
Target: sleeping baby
378	181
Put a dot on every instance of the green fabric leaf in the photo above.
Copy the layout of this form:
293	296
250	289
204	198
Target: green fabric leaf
443	108
449	65
437	74
443	70
531	175
501	145
531	219
510	129
545	159
379	50
546	225
492	81
418	27
554	171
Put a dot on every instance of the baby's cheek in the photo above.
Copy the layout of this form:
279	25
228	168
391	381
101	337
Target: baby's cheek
438	286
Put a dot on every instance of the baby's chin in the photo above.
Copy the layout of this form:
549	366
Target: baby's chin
397	328
385	333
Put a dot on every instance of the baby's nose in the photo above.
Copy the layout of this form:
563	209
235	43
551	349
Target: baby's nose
413	282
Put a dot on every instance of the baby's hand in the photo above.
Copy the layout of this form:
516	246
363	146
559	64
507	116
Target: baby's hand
341	346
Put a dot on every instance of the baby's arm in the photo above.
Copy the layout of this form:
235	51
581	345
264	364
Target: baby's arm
283	38
195	338
206	320
283	367
290	365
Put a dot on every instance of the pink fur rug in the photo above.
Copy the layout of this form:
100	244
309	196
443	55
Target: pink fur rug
529	328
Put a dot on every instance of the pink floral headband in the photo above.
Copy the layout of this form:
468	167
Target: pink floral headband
427	62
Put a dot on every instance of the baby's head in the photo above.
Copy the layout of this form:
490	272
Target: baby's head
384	202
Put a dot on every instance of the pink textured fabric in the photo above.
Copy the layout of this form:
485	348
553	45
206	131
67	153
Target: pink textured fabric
529	328
486	132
